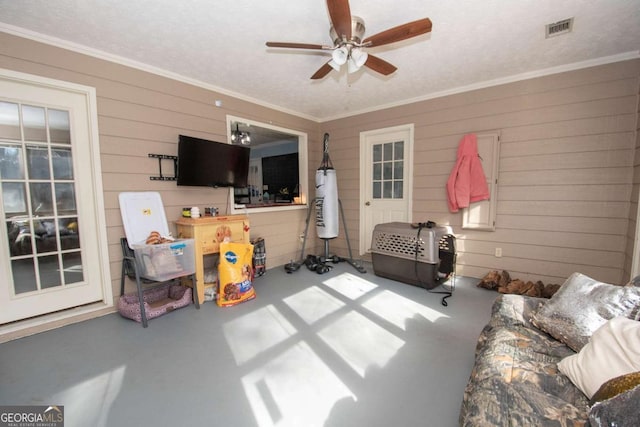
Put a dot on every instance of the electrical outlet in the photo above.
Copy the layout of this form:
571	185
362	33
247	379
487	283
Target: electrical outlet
498	252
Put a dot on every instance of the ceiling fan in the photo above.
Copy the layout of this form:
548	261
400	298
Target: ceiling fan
347	31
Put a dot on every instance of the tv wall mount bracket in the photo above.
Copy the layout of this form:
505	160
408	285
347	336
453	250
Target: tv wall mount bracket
160	176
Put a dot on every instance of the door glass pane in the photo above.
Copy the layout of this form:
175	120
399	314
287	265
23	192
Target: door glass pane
62	166
65	199
398	150
41	198
49	271
59	129
387	170
377	153
69	238
11	162
72	265
9	121
388	151
398	190
45	235
34	123
24	276
387	190
398	168
38	162
377	190
19	234
13	198
377	171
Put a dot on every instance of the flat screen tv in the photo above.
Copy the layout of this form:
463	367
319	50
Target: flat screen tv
212	164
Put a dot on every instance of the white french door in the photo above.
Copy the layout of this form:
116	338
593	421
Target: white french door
386	179
52	239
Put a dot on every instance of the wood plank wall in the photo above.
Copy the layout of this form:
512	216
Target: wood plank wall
141	113
567	193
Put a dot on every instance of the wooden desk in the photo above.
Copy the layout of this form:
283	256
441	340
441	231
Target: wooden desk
208	233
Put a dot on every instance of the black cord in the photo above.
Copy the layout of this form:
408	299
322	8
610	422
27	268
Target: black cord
448	293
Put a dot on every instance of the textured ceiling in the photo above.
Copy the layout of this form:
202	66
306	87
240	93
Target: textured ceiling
221	44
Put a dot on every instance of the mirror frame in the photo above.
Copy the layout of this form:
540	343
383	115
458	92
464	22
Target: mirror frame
303	168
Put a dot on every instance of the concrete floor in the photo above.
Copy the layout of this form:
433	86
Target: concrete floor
339	349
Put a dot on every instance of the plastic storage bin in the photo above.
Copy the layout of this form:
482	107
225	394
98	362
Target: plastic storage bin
166	261
142	213
393	253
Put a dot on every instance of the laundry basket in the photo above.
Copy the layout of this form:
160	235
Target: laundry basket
393	251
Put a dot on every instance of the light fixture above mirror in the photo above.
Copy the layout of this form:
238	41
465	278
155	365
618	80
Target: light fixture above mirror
240	137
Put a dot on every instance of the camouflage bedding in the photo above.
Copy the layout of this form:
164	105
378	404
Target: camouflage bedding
515	380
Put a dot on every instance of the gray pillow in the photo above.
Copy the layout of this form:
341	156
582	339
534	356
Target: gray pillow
582	305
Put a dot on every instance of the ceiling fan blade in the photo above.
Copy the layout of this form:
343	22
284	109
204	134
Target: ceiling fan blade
340	14
380	65
296	45
323	71
401	32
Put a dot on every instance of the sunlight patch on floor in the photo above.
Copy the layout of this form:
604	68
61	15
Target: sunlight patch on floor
312	304
256	332
360	342
91	400
294	389
349	285
397	309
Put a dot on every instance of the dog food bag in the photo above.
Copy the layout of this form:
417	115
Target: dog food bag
235	274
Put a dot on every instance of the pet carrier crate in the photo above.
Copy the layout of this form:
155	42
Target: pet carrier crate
419	256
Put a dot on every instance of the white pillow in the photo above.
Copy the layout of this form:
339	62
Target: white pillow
613	350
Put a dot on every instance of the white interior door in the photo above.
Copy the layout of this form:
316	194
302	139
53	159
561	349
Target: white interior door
386	179
52	239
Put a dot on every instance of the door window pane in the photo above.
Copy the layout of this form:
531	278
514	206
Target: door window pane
65	199
19	234
49	271
388	151
398	169
9	121
72	265
41	198
13	198
398	150
62	164
46	240
11	162
38	162
377	153
59	129
377	190
377	171
388	190
34	123
398	190
24	276
69	238
387	171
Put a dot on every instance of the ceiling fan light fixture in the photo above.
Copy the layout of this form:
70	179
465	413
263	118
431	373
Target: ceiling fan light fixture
359	57
334	65
340	55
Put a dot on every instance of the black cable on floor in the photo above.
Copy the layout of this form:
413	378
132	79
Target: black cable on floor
448	293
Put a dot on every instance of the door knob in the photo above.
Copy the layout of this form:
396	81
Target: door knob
367	203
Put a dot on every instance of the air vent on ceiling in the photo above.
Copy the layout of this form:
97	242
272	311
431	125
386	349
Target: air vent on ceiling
559	28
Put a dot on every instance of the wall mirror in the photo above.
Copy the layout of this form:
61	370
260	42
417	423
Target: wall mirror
277	170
